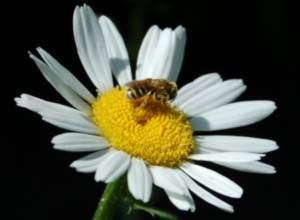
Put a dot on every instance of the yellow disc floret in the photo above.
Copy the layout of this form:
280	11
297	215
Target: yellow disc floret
157	133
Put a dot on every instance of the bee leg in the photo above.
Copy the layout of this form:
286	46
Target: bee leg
145	101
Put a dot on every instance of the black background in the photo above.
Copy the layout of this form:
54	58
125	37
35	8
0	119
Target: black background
253	40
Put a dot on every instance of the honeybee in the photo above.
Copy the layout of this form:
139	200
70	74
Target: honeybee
160	90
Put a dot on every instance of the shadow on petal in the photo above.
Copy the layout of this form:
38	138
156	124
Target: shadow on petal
200	124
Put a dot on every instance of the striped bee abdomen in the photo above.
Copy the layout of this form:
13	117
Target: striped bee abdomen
135	93
161	90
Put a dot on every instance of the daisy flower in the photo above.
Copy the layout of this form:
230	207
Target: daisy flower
163	149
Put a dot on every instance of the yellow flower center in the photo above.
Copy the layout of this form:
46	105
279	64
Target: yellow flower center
157	133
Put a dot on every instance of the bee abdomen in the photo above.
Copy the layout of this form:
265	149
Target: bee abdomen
137	92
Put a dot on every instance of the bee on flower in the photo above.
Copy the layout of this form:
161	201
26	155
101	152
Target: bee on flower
144	127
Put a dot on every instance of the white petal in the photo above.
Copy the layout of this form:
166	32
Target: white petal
233	115
139	180
205	195
230	157
57	114
117	52
236	143
180	33
80	126
113	165
212	180
146	52
66	76
202	150
161	63
60	86
89	163
167	179
161	54
79	121
91	47
198	85
250	167
182	202
77	142
213	97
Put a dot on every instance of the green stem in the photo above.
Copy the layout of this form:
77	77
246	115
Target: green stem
110	200
116	194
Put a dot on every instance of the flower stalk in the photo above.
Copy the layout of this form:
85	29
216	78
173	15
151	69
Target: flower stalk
116	194
111	200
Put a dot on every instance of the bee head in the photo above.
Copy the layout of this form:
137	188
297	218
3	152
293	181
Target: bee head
173	91
167	93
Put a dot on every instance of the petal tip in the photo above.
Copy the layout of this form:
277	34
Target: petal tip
274	106
230	210
241	81
240	193
17	100
73	164
181	29
275	146
104	18
56	147
30	54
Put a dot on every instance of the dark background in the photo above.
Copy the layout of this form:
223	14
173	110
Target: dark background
253	40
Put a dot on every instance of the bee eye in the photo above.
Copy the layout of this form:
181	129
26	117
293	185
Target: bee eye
173	94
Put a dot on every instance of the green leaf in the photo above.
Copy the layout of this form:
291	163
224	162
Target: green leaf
135	205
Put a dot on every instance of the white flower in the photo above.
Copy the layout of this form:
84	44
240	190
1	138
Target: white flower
99	125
